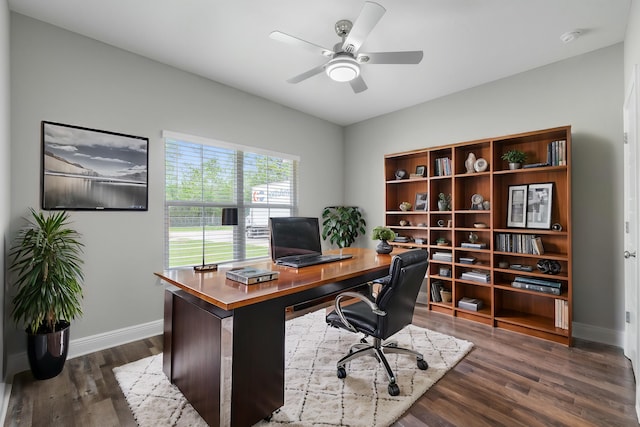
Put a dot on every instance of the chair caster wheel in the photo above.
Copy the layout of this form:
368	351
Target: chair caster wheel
268	417
342	373
422	364
394	390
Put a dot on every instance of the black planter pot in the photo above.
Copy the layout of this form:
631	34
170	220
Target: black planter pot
47	352
384	247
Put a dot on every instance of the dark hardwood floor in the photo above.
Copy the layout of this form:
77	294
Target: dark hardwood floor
508	379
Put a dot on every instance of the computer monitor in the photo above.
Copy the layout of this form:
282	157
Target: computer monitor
294	236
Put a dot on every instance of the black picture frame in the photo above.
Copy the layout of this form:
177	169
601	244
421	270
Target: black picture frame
539	205
517	206
421	170
91	169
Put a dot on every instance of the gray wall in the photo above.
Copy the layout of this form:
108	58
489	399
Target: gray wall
64	77
5	137
585	92
632	42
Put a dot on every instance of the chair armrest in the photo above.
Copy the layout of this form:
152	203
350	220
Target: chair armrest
372	305
383	280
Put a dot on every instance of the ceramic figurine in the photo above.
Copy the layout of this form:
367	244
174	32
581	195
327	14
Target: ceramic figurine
471	160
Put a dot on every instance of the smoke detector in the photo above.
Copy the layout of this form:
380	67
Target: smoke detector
570	36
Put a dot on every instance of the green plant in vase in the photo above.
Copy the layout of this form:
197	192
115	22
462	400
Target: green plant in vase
45	257
383	234
444	202
515	158
342	225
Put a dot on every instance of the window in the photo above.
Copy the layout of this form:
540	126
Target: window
203	176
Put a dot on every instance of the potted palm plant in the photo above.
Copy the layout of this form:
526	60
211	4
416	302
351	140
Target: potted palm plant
342	225
383	234
45	257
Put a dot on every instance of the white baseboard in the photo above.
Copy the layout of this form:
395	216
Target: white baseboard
81	346
5	388
598	334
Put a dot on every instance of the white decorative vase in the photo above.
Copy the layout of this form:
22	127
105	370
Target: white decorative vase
471	160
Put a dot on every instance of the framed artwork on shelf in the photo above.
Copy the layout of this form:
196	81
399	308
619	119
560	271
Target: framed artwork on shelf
422	202
539	204
517	208
89	169
421	170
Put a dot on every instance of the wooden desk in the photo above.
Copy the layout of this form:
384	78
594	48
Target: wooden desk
224	341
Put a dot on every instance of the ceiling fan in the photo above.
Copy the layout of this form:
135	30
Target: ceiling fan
345	57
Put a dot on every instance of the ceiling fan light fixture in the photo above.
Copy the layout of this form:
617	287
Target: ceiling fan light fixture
342	69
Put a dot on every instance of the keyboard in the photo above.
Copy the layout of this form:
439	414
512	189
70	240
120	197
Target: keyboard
307	260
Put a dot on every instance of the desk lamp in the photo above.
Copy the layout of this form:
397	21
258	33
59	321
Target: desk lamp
229	217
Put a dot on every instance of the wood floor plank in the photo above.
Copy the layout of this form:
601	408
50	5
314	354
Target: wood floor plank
508	379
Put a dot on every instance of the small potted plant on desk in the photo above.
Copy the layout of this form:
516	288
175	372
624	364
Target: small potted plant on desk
383	234
515	158
46	258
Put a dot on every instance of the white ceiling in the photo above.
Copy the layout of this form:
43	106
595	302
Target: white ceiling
465	42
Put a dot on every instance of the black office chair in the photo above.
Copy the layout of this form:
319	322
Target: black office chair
391	311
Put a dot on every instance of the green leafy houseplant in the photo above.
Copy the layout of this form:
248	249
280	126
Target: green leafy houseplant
383	233
342	225
46	256
444	201
514	156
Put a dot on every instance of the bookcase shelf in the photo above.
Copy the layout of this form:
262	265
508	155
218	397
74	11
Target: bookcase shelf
448	172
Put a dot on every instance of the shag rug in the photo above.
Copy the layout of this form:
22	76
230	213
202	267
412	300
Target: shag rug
314	395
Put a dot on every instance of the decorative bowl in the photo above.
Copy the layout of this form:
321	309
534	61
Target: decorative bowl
405	206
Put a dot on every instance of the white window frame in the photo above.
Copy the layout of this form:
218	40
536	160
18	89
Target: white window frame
239	236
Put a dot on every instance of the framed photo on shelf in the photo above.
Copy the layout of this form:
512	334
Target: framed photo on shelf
517	208
421	170
422	202
539	204
90	169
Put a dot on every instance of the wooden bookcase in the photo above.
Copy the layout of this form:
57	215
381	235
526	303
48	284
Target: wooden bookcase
543	315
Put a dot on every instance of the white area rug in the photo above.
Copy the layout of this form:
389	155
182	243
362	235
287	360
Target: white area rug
314	395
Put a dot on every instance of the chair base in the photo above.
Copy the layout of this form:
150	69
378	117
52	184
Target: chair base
378	350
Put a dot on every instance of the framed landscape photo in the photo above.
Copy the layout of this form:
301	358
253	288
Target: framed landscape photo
422	202
89	169
517	207
539	204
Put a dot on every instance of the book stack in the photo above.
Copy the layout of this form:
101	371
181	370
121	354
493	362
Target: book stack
476	276
557	153
473	304
436	287
467	260
442	256
562	314
477	245
443	166
538	285
518	243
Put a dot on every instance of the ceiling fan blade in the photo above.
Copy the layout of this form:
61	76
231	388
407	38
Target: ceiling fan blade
310	47
358	85
312	72
409	57
369	16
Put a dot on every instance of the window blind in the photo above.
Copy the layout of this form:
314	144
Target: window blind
203	176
